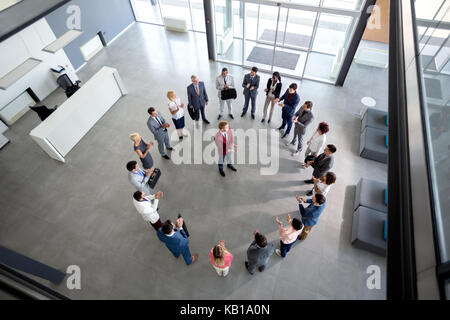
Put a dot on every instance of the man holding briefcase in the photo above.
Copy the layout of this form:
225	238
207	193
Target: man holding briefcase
227	92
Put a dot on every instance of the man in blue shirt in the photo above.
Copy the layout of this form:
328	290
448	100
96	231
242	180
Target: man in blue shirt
310	214
291	100
176	240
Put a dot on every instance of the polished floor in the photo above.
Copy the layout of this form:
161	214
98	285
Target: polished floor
81	212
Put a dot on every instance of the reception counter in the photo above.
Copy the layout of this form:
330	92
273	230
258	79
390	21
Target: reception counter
65	127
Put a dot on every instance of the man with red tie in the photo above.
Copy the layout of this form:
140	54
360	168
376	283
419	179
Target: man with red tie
225	143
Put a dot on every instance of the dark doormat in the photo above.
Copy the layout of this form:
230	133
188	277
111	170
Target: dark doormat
292	39
283	59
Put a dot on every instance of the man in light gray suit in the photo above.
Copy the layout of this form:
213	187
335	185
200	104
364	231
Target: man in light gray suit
138	177
250	85
302	118
158	126
259	253
224	81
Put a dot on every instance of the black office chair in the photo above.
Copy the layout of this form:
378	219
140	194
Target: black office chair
43	112
67	85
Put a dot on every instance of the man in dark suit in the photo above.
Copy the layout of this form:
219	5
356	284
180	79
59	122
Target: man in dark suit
197	98
250	85
259	253
322	163
176	240
290	99
302	118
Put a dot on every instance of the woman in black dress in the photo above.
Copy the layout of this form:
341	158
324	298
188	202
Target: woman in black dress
143	150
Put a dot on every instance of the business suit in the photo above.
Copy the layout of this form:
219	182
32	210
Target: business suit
304	118
271	96
198	99
178	244
139	180
310	216
250	94
258	257
322	164
220	85
291	102
225	146
160	133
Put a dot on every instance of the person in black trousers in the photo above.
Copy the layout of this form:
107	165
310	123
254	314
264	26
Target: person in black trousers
272	93
322	163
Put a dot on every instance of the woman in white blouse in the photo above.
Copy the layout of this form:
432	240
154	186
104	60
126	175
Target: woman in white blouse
323	184
176	108
318	139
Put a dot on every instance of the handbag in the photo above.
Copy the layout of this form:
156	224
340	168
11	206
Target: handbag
228	94
309	158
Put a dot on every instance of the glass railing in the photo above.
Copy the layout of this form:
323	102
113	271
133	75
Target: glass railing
432	19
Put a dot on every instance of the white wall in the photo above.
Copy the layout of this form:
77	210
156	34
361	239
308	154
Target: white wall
26	44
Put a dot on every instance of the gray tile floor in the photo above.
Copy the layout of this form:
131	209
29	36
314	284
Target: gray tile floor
81	212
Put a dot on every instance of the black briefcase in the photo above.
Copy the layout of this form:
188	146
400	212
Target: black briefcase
228	94
154	178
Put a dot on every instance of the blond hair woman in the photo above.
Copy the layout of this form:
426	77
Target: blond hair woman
143	150
221	259
176	109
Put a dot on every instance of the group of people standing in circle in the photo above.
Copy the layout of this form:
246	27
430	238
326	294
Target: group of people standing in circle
318	155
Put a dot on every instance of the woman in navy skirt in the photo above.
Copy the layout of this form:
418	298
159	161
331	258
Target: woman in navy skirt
176	108
143	150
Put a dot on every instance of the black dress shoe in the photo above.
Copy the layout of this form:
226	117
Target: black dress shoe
280	128
181	138
268	121
206	121
243	114
231	167
220	116
222	173
166	157
310	181
253	116
262	120
231	116
171	149
309	193
261	268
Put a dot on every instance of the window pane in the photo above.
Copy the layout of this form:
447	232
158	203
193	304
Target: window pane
147	11
331	33
344	4
198	15
178	9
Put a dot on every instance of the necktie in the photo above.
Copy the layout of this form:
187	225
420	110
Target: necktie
225	80
198	91
159	121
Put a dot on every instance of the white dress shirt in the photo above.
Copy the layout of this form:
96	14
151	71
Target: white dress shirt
317	142
148	208
173	105
323	187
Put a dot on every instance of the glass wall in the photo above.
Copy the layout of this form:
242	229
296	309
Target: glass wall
153	11
432	21
299	41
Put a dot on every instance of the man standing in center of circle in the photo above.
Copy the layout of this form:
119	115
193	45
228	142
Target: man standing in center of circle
224	82
250	85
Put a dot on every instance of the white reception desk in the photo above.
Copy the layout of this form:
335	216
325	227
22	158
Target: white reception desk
65	127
